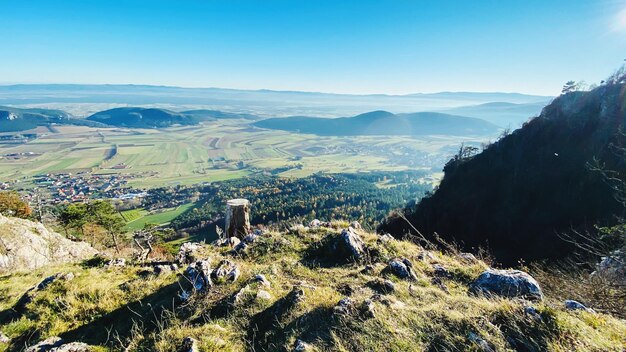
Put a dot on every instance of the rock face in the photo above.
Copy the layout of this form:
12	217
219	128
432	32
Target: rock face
26	245
507	283
350	245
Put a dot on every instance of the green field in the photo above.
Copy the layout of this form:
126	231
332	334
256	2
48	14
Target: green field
213	151
138	218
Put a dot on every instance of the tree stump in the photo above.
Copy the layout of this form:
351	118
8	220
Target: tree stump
237	218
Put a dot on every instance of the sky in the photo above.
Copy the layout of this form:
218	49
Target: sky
351	46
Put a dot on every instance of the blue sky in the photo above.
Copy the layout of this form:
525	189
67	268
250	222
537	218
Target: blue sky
359	46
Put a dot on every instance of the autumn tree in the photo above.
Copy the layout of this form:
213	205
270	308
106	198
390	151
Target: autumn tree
11	204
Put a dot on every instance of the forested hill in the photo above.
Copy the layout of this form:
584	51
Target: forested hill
522	191
383	123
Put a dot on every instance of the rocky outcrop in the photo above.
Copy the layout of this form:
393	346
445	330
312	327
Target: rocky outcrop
507	283
349	245
26	245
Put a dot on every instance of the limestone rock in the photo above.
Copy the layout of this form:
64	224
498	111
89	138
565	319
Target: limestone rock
117	262
4	338
507	283
199	275
187	252
570	304
612	268
165	269
226	270
72	347
263	295
385	238
46	345
189	345
28	245
402	268
349	245
301	346
260	278
344	307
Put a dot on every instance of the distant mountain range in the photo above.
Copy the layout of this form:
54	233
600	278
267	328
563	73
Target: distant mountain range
16	119
508	115
256	102
383	123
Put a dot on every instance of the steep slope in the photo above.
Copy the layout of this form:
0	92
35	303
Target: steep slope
26	245
17	119
298	291
143	118
521	192
383	123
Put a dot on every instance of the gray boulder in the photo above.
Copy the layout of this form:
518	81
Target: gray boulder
199	275
349	245
570	304
402	268
507	283
187	252
46	345
226	270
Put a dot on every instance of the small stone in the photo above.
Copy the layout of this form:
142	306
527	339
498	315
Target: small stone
251	238
315	223
240	248
164	269
382	286
385	238
264	295
226	270
482	344
468	257
199	275
189	345
301	346
441	271
187	252
4	338
425	256
355	225
46	344
117	262
260	278
570	304
344	307
368	309
532	312
401	269
507	283
368	269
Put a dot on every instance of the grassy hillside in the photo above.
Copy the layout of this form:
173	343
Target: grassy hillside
383	123
128	307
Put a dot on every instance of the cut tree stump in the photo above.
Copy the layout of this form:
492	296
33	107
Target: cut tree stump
237	218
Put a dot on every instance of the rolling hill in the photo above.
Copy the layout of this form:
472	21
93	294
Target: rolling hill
383	123
143	118
17	119
521	192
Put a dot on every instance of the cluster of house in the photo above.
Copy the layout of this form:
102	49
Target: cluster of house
68	187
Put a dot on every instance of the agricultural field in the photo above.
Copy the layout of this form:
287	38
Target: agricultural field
136	219
218	150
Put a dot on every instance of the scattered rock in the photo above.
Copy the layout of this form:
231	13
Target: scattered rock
117	262
468	257
164	269
199	275
72	347
507	283
251	238
570	304
187	253
612	268
264	295
50	279
482	344
189	345
425	256
440	271
301	346
368	269
344	307
4	338
240	248
226	270
46	345
349	245
532	312
367	309
260	278
385	238
382	286
315	223
402	268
